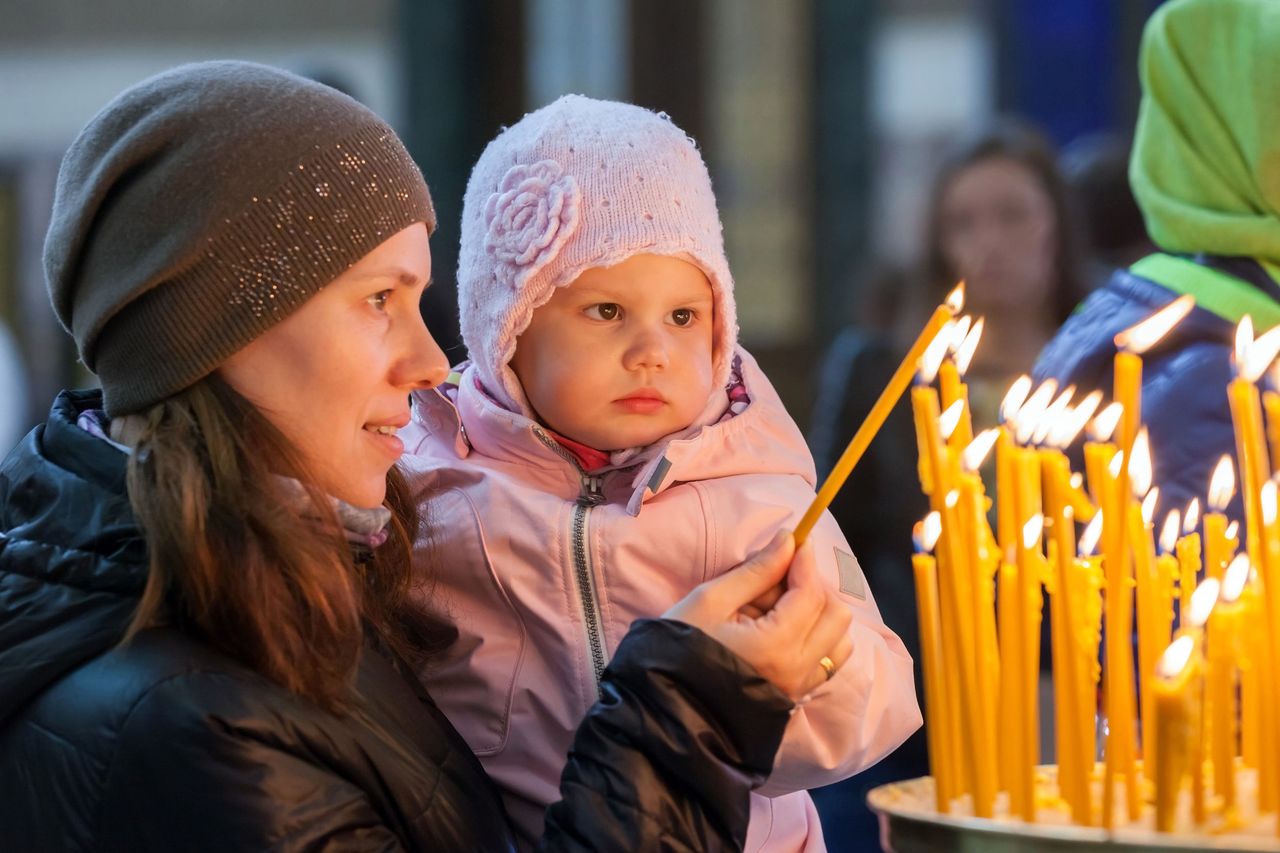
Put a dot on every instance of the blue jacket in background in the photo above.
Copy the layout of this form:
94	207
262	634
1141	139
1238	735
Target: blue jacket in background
1184	377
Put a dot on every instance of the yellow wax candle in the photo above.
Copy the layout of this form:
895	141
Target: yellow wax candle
953	390
875	418
1188	556
1176	682
1271	404
1006	502
1149	645
1010	746
1127	392
1070	726
1254	658
1030	570
971	592
1224	625
1201	605
1254	468
1222	486
925	572
924	406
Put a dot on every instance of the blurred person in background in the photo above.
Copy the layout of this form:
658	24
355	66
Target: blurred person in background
1096	169
13	391
999	218
1204	171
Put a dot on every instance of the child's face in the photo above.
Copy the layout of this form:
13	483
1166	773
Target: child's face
622	356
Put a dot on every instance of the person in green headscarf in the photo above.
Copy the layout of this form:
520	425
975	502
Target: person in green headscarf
1205	170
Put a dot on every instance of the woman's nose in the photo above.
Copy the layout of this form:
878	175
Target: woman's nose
424	365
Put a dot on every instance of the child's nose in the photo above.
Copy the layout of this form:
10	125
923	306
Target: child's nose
648	350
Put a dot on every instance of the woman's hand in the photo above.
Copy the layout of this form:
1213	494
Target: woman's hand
799	641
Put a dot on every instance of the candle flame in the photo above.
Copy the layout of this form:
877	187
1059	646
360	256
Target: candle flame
950	419
1077	480
1092	533
1261	353
1192	519
1028	417
1149	505
1139	338
1140	464
926	532
1031	531
958	332
952	498
1268	496
1169	533
955	299
1232	531
1014	398
1222	485
967	347
1104	425
1236	576
1175	658
1070	426
976	453
1052	418
935	353
1203	599
1244	340
1116	462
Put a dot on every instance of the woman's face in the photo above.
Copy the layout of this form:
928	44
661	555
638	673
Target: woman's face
335	376
998	233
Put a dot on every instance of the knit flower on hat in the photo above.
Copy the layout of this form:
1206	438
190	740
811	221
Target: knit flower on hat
530	218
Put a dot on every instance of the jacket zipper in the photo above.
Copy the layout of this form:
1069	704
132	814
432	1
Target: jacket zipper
590	497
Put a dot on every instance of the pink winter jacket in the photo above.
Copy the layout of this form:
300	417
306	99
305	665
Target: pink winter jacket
542	568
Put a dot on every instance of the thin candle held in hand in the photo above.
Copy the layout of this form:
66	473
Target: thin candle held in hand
888	398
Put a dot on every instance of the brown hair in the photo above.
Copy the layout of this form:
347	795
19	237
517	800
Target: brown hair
235	564
1014	140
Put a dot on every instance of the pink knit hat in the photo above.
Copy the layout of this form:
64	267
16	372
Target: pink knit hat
578	184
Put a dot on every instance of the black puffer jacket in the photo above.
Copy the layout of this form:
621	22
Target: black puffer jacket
165	744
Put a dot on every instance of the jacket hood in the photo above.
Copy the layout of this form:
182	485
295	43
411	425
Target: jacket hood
761	439
73	562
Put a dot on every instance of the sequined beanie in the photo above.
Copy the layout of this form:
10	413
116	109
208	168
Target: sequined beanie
206	204
580	183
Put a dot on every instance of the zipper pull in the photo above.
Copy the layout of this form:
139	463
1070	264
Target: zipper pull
592	495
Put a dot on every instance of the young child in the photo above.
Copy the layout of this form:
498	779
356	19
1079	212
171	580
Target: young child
607	448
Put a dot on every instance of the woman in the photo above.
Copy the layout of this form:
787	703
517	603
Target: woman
204	642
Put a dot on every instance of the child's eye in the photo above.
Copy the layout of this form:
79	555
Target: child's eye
604	311
379	299
682	316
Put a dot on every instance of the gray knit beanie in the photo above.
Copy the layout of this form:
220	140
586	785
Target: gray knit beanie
206	204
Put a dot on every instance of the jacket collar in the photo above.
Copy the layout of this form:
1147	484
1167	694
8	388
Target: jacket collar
762	439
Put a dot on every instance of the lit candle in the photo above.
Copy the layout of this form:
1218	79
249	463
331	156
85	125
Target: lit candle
1224	625
875	418
1130	344
926	536
1251	359
1203	601
1216	547
1072	776
965	337
1175	677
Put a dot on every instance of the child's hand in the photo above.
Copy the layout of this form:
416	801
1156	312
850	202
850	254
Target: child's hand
799	642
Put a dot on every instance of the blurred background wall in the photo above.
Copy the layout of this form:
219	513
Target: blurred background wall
821	120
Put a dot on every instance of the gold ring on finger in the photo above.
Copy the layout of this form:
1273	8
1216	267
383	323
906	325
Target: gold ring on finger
828	666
